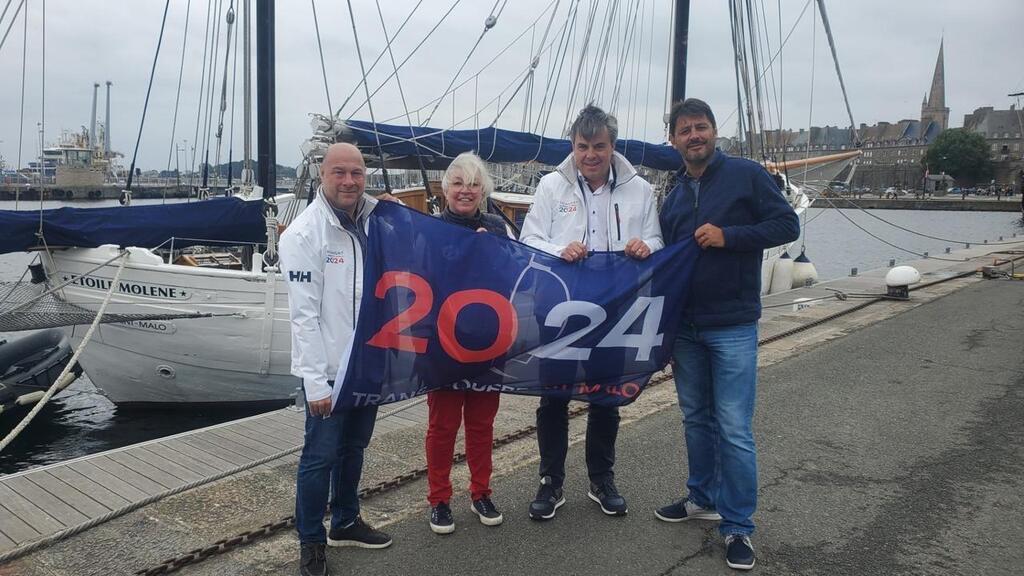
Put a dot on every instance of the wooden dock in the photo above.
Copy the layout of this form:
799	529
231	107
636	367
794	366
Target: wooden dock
42	501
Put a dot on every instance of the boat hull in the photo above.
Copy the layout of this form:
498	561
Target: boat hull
242	355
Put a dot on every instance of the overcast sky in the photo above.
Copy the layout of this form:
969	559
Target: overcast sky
887	50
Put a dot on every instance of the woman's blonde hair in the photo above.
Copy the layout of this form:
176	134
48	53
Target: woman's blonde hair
472	169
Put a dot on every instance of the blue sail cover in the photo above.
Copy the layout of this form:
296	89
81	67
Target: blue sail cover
495	145
227	220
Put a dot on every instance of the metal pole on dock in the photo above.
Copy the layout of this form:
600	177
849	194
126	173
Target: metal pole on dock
265	130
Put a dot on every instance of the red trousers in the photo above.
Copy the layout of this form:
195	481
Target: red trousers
447	410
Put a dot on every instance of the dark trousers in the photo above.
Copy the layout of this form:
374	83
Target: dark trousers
331	464
553	439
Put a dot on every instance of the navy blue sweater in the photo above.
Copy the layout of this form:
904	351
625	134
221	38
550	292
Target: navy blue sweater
742	199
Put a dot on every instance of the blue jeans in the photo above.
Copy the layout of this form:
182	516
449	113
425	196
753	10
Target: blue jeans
331	463
716	380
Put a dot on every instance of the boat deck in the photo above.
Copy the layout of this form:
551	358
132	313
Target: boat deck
43	501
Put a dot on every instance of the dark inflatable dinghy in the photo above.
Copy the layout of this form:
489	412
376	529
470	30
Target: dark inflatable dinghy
30	364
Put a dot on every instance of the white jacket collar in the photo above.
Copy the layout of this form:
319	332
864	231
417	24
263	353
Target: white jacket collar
366	205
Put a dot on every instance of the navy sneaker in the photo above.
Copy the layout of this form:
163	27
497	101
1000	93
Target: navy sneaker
684	510
607	495
487	511
547	501
359	534
441	520
739	552
313	559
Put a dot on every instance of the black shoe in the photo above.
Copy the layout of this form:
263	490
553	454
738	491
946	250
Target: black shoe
739	552
607	495
441	521
487	511
359	534
547	501
685	509
312	559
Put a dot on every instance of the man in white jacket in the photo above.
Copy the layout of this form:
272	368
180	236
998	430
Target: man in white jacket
322	254
595	201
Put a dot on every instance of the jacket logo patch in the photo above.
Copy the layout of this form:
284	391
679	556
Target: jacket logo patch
334	258
299	276
566	207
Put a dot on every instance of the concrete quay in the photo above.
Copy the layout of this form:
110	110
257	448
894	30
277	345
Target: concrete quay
890	442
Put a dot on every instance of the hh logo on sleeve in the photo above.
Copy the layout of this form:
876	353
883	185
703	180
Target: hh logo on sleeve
300	276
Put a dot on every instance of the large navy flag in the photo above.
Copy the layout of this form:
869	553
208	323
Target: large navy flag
446	307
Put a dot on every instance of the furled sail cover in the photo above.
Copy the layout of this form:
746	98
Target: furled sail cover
495	145
218	220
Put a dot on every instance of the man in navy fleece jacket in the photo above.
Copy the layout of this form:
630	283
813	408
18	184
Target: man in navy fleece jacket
734	210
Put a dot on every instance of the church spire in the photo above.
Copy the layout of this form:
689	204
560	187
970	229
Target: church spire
937	95
933	109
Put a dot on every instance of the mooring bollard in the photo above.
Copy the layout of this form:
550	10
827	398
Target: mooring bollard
892	262
853	271
947	249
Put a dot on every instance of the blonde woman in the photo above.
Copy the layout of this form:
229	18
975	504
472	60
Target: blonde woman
466	185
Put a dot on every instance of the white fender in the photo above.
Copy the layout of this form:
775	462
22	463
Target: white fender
803	270
782	274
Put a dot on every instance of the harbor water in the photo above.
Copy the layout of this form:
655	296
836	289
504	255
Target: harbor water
81	421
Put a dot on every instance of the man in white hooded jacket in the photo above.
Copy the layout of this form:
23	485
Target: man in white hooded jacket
595	201
322	255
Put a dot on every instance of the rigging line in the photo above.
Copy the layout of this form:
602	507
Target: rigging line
234	105
149	89
810	109
208	124
21	121
4	13
42	119
199	105
14	18
862	229
467	80
629	34
579	68
754	60
488	24
177	97
779	51
736	66
470	78
635	83
388	44
323	66
362	69
778	97
650	66
224	91
839	72
601	58
769	94
551	88
405	106
533	63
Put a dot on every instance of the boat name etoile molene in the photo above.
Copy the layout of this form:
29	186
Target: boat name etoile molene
133	288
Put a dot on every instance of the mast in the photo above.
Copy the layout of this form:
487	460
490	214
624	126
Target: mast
680	37
266	155
106	125
247	95
92	120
